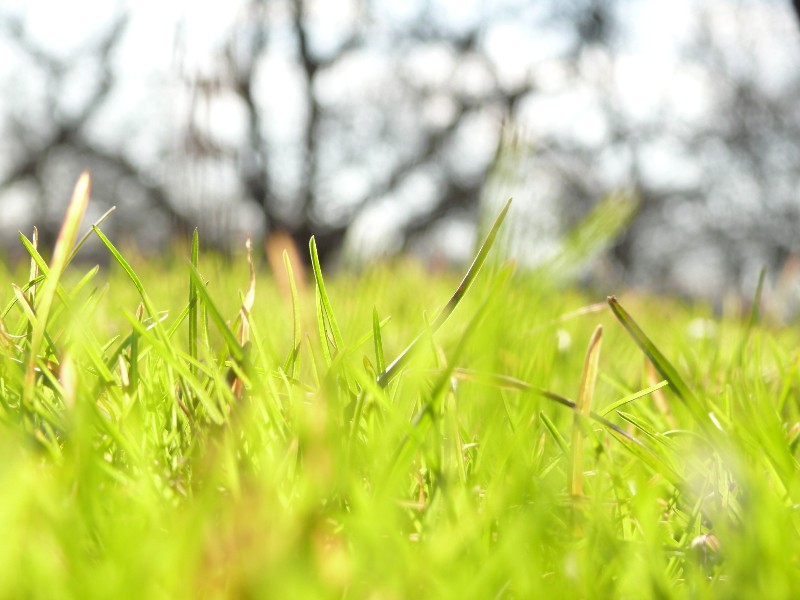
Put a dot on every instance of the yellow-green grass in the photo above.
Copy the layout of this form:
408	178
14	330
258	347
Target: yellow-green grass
497	460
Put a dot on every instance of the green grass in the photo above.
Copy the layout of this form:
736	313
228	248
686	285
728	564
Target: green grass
190	431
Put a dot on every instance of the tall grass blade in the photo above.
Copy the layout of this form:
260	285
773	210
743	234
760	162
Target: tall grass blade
291	361
232	344
243	335
61	253
327	309
380	363
148	305
661	364
472	273
33	274
584	409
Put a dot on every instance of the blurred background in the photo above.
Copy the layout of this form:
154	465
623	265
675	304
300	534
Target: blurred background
657	142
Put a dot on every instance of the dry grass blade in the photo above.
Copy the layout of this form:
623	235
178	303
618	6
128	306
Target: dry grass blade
243	334
584	409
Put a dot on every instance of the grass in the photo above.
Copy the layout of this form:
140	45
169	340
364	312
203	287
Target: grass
165	436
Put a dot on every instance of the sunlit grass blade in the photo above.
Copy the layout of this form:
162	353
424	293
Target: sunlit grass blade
326	308
231	343
583	410
148	304
380	363
33	275
631	397
61	253
391	371
662	365
88	234
324	341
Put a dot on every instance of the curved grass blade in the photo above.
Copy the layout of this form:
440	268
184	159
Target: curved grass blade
391	371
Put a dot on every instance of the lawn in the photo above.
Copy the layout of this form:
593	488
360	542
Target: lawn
196	428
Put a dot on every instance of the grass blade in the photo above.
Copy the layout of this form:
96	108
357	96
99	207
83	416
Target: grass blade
630	398
230	339
391	371
662	365
584	409
380	363
148	305
291	361
61	253
327	309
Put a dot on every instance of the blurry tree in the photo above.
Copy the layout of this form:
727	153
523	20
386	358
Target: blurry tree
379	121
47	138
307	116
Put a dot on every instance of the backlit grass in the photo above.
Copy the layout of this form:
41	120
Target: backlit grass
195	431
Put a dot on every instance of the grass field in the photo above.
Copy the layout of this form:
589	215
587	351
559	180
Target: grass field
190	431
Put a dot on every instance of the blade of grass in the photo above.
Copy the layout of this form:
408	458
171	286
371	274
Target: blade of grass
88	234
554	432
391	371
61	253
323	334
630	398
380	363
327	309
583	410
234	348
148	305
662	365
243	334
33	274
291	361
432	406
